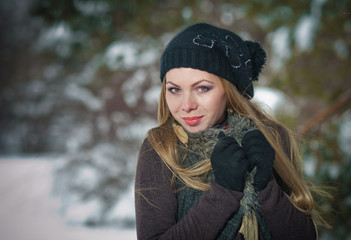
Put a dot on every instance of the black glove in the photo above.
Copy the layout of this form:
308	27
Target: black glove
229	163
260	154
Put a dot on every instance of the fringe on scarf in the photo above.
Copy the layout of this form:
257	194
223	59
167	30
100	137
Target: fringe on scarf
249	206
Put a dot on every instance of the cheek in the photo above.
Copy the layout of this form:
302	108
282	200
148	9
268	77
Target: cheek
171	103
216	100
217	107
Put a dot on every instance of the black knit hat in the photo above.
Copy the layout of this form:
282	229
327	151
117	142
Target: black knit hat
217	51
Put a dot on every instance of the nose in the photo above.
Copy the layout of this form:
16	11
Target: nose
189	103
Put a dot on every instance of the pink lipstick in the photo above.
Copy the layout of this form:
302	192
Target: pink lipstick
192	120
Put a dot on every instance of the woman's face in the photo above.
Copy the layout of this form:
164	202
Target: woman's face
195	98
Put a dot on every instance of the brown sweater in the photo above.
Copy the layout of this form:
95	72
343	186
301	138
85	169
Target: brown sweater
156	207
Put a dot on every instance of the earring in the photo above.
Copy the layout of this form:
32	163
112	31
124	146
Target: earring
230	111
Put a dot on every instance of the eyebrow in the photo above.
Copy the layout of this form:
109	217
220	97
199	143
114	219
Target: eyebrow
196	83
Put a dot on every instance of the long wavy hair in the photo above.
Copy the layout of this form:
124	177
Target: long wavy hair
287	164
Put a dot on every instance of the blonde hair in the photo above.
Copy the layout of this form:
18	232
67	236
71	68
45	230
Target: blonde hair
287	164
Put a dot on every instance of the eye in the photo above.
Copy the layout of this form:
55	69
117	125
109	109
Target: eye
203	89
173	90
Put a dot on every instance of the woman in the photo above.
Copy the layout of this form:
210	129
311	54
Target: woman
217	166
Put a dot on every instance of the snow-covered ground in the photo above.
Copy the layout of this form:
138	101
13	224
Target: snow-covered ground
29	211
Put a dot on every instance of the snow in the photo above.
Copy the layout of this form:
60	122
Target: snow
80	135
91	8
132	89
280	47
58	38
129	55
136	129
344	136
124	208
187	13
341	49
271	99
304	32
83	95
310	166
152	95
307	26
28	209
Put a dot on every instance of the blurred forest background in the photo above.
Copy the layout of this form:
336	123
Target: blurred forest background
80	79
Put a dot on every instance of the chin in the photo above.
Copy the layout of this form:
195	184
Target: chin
194	129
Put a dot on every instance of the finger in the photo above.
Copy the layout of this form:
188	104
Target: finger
253	134
227	140
238	153
225	144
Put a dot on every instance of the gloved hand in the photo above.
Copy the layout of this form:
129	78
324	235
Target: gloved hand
260	154
229	163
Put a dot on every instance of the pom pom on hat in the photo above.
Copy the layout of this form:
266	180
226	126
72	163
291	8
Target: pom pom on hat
258	58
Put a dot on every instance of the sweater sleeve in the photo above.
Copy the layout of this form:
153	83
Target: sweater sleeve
283	219
156	204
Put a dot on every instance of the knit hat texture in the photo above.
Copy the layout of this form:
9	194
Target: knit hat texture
218	51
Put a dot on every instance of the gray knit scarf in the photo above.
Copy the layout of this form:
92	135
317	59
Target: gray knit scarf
199	146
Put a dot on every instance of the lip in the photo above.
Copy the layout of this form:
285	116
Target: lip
192	120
